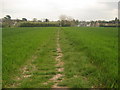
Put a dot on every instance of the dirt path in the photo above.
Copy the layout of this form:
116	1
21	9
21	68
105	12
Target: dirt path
59	77
28	69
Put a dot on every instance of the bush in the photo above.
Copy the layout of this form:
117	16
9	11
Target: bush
38	24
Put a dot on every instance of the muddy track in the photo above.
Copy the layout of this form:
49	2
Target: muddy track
29	68
59	77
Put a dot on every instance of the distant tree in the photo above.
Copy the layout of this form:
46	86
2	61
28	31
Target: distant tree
93	23
46	20
39	21
112	21
18	20
34	19
8	17
63	17
68	18
7	21
116	21
24	19
77	21
73	22
66	21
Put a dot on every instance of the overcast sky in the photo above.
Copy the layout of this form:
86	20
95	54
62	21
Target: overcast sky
52	9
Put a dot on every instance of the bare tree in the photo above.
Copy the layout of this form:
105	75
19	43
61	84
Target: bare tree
66	21
63	17
69	18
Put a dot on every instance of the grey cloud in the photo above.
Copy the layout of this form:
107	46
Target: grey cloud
104	9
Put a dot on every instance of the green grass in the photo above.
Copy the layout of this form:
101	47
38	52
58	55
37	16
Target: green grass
90	56
45	64
19	44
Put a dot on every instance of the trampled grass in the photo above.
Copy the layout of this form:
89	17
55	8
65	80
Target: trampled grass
19	44
90	56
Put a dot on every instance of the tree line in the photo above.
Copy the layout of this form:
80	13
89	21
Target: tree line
64	21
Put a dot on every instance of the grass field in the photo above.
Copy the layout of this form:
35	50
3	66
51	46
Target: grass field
91	57
89	54
20	44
